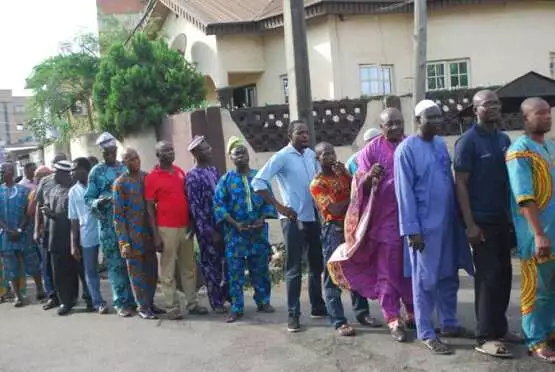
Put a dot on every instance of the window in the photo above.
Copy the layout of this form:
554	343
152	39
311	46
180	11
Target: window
244	97
375	80
552	65
284	83
19	127
447	75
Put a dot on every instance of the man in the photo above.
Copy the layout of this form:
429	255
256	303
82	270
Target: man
93	160
41	230
531	172
331	189
429	221
66	269
28	179
98	197
134	234
352	162
483	194
201	183
84	232
18	258
242	213
168	214
295	166
386	281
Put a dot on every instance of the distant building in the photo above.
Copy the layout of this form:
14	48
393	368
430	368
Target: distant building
13	130
127	12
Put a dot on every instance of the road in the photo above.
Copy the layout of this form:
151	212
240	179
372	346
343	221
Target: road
34	340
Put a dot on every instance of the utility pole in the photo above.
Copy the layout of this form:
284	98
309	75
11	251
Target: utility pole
420	41
298	74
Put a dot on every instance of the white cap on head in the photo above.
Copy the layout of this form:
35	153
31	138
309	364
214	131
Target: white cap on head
63	165
106	140
371	133
423	106
195	142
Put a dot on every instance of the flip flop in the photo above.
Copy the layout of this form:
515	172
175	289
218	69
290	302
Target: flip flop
495	349
543	354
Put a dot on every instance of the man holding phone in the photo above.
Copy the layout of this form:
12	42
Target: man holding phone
295	166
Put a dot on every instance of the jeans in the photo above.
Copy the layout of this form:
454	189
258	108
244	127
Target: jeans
360	305
90	263
301	236
332	237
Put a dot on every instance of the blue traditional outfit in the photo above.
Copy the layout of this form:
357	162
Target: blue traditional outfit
531	169
133	229
101	179
235	197
18	258
425	192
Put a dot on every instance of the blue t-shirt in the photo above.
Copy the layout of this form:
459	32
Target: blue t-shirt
481	153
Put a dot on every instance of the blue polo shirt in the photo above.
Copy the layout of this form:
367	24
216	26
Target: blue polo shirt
481	153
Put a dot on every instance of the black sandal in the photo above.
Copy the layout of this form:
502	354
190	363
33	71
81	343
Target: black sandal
436	346
233	317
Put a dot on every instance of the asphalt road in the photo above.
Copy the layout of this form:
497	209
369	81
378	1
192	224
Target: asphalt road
34	340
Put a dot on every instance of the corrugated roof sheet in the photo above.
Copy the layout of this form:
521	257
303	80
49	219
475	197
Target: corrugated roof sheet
120	6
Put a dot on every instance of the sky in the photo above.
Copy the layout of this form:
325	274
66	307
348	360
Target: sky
31	31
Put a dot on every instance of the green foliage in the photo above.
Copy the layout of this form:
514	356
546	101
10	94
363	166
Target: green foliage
59	82
138	85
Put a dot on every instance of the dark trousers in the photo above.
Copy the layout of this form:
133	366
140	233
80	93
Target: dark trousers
492	283
67	273
360	305
301	237
46	268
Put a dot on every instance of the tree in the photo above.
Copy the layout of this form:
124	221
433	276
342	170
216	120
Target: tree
61	82
140	84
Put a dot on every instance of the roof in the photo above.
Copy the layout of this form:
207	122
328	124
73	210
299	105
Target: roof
247	16
115	7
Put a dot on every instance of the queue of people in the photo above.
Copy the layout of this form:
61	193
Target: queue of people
395	225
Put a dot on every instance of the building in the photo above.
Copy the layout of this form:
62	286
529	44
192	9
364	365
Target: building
358	48
12	120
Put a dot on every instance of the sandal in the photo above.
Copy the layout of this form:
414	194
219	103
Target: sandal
198	310
220	310
346	330
436	346
18	302
369	321
397	330
543	353
233	317
495	349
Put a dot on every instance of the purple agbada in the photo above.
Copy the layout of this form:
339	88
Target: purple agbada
387	283
200	186
425	192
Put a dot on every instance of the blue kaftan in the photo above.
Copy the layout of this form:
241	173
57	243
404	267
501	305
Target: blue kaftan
425	192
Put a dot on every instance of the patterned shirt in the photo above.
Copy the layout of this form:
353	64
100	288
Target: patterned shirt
235	197
330	189
201	184
130	215
13	207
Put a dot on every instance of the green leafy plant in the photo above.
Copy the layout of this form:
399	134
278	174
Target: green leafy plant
141	83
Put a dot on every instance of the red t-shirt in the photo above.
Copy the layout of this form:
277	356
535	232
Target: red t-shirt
167	190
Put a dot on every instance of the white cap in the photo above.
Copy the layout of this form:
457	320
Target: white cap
423	106
63	165
371	133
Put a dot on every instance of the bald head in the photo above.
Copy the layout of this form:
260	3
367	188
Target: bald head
392	124
487	108
132	160
129	152
536	113
325	153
